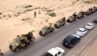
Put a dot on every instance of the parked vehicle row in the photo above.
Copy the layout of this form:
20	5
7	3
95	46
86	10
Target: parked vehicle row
71	40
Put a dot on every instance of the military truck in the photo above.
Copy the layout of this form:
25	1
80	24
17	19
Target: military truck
89	12
80	15
72	18
60	23
21	42
94	9
46	30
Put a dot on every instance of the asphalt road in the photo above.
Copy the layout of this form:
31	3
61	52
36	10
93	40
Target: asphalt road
39	47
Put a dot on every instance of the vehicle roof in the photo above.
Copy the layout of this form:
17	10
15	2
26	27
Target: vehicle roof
76	35
82	29
60	49
55	50
69	38
89	24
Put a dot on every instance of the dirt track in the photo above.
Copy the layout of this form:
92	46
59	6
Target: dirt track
91	50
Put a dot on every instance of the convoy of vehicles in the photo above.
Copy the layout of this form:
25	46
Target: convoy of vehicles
69	42
90	11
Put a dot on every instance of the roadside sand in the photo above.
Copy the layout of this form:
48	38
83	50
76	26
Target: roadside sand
91	50
15	20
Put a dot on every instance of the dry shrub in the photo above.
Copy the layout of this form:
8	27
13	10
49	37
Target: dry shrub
28	6
52	14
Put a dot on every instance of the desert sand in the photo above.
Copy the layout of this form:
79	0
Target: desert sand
91	50
17	19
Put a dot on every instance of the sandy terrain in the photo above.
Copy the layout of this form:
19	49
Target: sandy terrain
91	50
16	18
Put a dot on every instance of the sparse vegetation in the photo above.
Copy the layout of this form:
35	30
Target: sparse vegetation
28	6
90	1
52	14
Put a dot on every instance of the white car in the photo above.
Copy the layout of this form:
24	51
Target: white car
81	32
57	51
90	26
76	35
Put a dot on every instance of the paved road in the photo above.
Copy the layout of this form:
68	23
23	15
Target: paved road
56	38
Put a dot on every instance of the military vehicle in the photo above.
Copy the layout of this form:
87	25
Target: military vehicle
21	42
89	12
72	18
94	9
80	15
60	23
46	30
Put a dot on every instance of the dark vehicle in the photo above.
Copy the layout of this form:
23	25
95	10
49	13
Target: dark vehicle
95	9
95	20
80	15
72	18
21	42
70	41
46	30
88	12
60	23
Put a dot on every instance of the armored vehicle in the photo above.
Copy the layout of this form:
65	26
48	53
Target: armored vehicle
46	30
80	15
21	42
95	9
60	23
89	12
72	18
